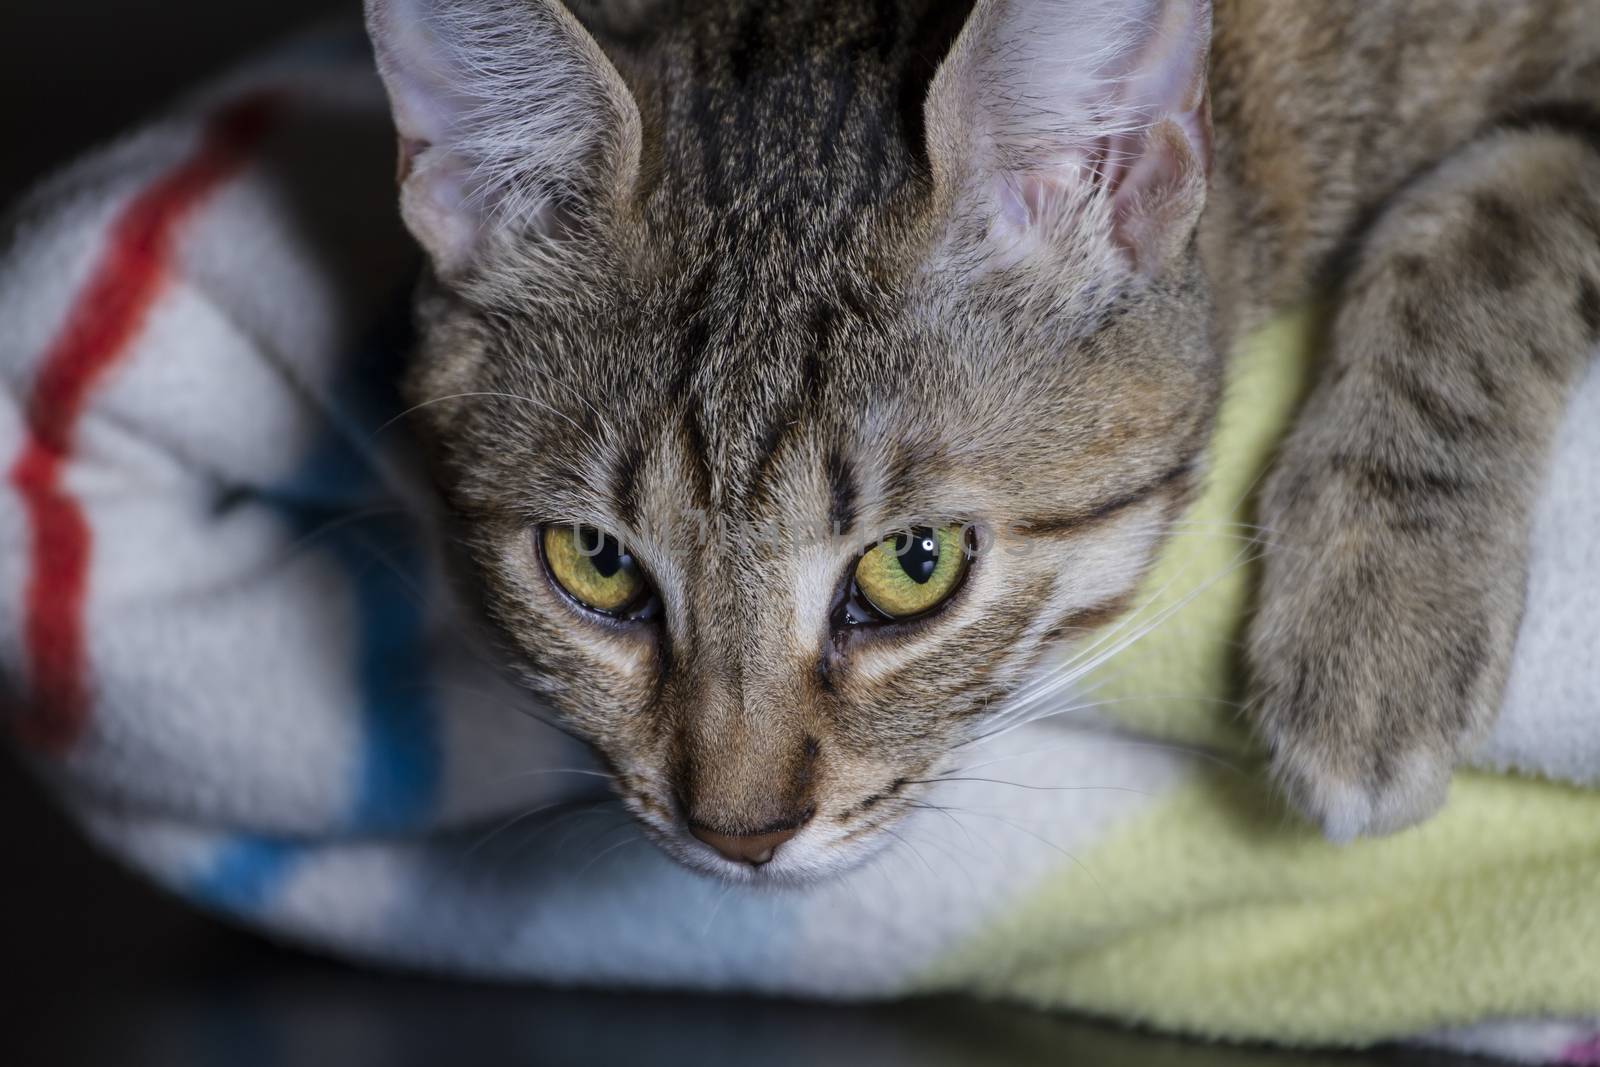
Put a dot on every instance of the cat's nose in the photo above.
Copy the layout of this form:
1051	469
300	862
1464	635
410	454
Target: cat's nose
754	849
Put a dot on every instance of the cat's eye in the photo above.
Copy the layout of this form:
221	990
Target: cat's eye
595	569
913	572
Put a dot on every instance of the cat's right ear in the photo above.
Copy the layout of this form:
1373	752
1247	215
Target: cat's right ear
513	124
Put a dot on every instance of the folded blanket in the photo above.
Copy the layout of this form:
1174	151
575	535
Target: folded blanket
226	642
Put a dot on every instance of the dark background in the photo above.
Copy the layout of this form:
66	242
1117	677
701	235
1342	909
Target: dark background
104	970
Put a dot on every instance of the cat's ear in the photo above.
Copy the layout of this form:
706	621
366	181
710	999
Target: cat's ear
513	125
1080	120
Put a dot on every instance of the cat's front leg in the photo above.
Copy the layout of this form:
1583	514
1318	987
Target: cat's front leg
1399	508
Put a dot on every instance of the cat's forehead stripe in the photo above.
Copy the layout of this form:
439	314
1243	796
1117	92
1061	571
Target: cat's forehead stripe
625	484
755	127
844	492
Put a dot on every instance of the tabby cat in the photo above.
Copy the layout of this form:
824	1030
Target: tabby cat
802	374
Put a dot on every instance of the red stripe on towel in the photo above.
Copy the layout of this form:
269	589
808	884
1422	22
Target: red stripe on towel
105	317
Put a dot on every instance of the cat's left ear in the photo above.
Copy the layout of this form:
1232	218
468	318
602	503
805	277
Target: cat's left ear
1059	122
514	126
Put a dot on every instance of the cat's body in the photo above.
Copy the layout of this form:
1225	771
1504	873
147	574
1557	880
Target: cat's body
754	266
1436	166
1324	113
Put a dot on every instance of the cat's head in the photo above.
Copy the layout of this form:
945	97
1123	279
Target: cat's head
803	374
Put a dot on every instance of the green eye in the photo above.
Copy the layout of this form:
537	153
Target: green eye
594	568
914	572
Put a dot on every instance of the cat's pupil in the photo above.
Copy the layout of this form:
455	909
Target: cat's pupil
603	551
918	552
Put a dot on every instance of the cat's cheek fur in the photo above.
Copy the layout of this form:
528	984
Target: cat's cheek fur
549	637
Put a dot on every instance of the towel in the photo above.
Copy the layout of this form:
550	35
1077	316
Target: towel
227	645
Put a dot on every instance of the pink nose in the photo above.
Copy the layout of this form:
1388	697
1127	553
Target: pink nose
754	849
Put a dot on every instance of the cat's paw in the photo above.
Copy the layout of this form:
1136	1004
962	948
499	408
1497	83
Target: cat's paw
1347	803
1362	734
1375	668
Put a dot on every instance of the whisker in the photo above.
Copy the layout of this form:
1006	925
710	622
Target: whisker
498	701
520	775
1186	750
1079	667
1034	788
492	394
1092	705
717	907
1021	714
350	518
920	857
940	808
608	806
515	820
609	849
573	392
1037	837
949	852
574	826
1071	666
1110	635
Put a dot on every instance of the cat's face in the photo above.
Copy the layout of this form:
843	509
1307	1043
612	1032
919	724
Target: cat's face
779	491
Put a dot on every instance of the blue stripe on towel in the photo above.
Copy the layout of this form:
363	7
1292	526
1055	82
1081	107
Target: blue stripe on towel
399	767
244	873
399	773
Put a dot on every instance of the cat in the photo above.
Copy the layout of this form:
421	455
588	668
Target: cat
931	301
